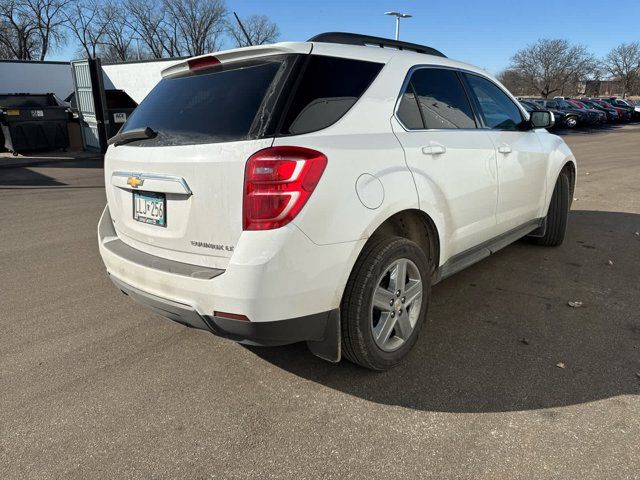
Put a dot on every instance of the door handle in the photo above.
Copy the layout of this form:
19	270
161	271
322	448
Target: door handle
434	149
504	148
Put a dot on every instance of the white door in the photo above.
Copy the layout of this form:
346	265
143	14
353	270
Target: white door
522	162
453	162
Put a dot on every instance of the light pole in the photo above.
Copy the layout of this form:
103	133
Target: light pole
398	16
137	39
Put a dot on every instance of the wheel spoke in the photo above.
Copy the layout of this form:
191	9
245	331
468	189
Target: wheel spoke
413	292
403	326
384	328
382	298
399	275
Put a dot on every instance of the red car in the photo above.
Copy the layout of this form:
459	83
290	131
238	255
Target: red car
623	115
599	116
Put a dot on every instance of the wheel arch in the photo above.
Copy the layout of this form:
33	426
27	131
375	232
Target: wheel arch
570	168
415	225
561	160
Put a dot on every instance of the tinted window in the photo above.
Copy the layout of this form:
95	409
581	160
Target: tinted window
527	107
214	105
408	111
497	109
442	99
329	87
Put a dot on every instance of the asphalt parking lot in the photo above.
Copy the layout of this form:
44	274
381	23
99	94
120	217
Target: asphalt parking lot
92	385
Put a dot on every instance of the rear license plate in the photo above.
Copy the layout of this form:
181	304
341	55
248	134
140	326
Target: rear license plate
150	208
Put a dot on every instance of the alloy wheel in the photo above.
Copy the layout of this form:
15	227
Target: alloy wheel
396	304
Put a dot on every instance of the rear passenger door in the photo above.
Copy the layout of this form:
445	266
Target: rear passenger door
522	162
452	160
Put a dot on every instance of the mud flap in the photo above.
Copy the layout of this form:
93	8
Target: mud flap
330	348
540	231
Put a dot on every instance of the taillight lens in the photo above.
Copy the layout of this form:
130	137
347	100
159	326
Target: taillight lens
203	62
278	181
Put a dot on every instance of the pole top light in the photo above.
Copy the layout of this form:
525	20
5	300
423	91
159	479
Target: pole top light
398	14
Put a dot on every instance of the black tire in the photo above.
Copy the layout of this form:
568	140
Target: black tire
571	122
557	216
357	317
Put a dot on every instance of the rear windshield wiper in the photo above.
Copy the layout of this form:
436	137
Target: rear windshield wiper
132	135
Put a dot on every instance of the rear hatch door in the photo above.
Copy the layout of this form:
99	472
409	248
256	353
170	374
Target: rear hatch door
179	194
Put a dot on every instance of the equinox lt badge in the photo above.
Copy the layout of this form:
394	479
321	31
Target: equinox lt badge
214	246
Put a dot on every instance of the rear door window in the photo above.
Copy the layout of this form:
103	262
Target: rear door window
435	99
409	111
498	111
221	104
328	88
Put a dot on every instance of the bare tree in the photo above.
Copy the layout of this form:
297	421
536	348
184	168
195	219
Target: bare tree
5	33
87	21
18	34
199	23
623	64
115	29
50	18
31	27
174	43
259	28
147	19
551	66
118	35
515	82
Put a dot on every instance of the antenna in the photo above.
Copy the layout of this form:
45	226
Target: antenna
246	35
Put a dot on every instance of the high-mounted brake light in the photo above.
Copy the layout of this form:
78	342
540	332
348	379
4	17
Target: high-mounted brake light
278	182
203	62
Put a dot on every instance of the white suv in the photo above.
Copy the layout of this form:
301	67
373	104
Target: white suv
314	191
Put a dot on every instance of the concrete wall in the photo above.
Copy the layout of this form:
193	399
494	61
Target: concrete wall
135	78
35	77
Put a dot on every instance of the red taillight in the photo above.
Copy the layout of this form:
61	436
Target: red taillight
203	62
278	181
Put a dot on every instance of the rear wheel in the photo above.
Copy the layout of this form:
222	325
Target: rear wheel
557	215
385	303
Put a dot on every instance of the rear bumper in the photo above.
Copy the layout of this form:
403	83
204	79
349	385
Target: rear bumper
289	287
312	328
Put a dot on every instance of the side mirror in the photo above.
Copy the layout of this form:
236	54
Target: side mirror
542	119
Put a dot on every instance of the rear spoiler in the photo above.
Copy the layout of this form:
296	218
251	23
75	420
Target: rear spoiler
235	55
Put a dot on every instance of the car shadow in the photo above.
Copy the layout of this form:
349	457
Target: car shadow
31	174
595	129
22	177
592	129
502	337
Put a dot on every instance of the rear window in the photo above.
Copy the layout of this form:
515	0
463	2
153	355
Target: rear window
279	95
221	104
329	87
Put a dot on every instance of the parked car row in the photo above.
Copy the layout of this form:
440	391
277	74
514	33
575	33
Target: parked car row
577	112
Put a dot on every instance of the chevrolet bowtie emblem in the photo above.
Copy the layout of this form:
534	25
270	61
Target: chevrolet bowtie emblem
135	182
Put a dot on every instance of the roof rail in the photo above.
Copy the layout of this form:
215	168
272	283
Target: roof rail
368	40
